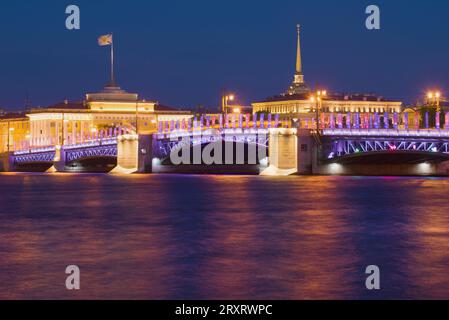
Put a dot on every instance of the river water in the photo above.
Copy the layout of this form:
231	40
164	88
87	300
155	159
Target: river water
223	237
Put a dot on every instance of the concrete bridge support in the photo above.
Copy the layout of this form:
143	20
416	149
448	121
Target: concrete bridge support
145	153
283	152
59	161
307	152
134	154
6	162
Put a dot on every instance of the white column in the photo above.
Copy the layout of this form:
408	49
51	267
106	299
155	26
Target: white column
49	135
65	130
82	130
57	132
73	131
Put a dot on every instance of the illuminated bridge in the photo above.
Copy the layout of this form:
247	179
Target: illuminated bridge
342	145
336	149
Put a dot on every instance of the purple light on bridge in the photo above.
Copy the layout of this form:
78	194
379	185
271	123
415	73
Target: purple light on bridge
437	120
406	120
427	119
386	121
348	120
262	119
269	120
416	120
276	120
395	120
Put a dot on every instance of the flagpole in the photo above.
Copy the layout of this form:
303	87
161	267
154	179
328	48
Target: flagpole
112	61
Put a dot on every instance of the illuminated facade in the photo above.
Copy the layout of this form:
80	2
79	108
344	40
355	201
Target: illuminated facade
14	128
75	122
296	101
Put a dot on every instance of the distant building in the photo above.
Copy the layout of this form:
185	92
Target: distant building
296	101
74	122
14	128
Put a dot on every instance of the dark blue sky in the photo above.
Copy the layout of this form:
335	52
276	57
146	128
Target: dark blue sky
183	53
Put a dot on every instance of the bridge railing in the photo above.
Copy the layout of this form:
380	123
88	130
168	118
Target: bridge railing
92	143
221	122
35	150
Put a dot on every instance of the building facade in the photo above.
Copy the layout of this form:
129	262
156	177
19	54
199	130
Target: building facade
14	128
298	102
99	115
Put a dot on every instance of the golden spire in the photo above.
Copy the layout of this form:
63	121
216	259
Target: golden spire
298	86
299	77
298	52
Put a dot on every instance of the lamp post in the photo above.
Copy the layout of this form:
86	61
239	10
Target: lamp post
224	101
318	99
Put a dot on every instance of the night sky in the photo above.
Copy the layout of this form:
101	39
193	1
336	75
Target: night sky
183	53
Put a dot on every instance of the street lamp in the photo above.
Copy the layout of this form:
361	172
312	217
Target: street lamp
317	98
225	99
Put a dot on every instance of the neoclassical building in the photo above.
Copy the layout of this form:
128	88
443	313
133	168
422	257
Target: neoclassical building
14	127
99	114
296	101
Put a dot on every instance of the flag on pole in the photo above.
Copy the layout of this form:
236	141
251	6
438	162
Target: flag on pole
105	40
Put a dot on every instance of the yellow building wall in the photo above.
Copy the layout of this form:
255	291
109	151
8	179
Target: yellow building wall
18	131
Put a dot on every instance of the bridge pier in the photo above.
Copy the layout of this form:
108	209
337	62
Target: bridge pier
145	153
60	160
134	154
283	152
7	162
307	151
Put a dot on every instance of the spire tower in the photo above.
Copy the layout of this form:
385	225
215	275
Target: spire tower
299	77
298	86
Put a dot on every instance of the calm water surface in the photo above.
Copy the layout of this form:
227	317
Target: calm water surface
222	237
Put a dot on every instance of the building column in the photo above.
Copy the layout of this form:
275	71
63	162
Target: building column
57	142
82	123
74	132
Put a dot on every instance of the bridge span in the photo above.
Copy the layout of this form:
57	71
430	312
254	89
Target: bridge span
257	147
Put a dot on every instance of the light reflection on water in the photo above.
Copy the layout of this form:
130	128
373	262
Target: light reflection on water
223	237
